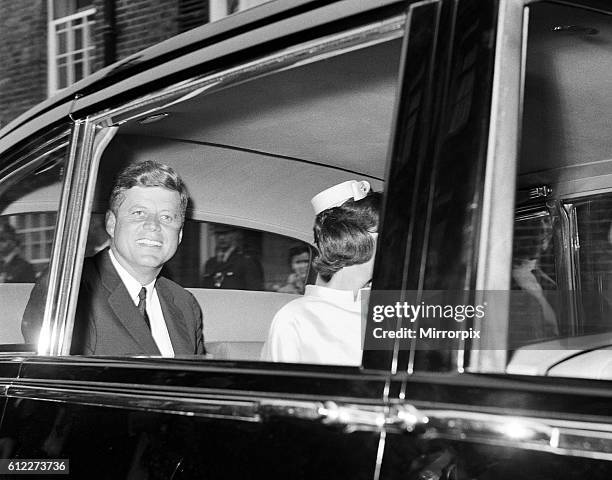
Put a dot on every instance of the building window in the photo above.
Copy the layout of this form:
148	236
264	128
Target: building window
223	8
35	233
70	44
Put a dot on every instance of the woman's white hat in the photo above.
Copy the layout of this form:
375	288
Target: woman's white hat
338	194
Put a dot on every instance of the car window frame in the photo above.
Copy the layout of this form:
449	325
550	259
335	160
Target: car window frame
502	160
95	130
27	155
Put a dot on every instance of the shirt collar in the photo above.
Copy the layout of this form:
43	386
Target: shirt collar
341	297
132	285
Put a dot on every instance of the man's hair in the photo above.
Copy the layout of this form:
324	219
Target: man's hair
147	174
297	250
343	234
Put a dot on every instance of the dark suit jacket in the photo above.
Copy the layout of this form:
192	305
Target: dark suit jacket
107	321
239	272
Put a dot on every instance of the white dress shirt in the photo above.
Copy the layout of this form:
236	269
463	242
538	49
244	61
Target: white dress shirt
159	330
323	326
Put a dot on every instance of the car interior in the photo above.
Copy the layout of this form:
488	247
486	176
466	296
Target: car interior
252	156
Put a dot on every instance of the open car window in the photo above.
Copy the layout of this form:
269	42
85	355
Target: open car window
30	187
253	145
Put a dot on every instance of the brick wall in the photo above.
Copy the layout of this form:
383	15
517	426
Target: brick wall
138	24
141	23
23	56
23	41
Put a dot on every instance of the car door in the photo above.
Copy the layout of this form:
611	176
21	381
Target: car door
126	417
539	408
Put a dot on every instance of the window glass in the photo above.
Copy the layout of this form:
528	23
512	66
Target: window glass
534	306
70	44
244	259
594	232
252	153
229	257
29	197
64	8
559	311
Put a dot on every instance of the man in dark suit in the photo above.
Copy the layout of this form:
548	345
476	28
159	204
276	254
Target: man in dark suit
231	268
13	267
125	307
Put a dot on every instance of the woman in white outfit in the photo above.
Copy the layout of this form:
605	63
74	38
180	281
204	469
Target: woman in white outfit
324	326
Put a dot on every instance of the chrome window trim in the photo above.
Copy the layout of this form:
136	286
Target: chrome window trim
65	278
244	410
561	437
538	212
72	224
574	258
497	220
564	262
217	404
47	342
587	193
29	160
56	143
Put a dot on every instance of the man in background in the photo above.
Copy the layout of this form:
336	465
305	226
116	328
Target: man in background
230	267
13	267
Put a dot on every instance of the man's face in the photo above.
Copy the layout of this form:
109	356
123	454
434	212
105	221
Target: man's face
300	263
225	239
146	229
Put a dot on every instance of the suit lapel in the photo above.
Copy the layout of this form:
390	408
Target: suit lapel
175	321
123	307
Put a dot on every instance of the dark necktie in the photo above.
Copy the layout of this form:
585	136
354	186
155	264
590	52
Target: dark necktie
142	306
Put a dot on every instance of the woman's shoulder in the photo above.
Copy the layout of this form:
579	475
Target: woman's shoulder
293	307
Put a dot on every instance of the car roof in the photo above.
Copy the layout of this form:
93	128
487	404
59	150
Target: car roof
59	105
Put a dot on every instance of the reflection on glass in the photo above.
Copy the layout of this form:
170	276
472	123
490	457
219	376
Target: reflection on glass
28	206
594	217
532	315
218	256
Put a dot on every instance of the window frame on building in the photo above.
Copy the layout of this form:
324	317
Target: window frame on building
222	8
54	56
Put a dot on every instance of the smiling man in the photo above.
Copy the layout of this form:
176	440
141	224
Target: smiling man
125	307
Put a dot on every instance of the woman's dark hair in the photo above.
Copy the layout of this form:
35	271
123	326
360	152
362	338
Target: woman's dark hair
343	234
